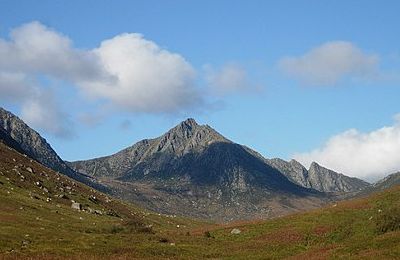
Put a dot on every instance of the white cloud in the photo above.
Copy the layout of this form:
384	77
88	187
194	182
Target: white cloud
35	48
15	87
329	63
39	108
369	155
44	113
126	72
230	78
148	78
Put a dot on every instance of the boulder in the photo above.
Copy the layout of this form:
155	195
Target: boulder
76	205
235	231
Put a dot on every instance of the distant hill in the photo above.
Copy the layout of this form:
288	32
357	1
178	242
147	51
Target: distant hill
387	182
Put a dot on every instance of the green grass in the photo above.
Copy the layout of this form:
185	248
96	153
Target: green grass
32	227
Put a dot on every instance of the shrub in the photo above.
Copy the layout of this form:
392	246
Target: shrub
116	229
207	234
388	220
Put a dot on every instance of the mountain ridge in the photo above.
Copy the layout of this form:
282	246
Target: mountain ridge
193	168
17	134
318	177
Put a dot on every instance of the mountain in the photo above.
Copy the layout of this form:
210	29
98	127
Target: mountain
387	182
18	135
46	215
193	170
381	185
318	177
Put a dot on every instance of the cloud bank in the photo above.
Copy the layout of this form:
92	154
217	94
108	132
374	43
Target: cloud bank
126	73
371	155
329	63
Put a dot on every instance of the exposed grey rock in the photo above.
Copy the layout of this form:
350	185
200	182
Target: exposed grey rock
235	231
317	177
323	179
30	141
293	170
76	205
18	135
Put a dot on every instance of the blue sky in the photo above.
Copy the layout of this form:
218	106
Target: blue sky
287	78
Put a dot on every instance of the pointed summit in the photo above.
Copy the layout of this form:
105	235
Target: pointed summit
186	127
315	165
189	122
323	179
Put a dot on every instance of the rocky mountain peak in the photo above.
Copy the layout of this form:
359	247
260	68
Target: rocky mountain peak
317	177
184	129
295	163
328	180
189	123
190	134
314	165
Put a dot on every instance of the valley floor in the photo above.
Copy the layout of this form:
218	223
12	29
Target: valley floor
350	230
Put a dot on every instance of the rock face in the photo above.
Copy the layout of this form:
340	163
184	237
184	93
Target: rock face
387	182
193	170
293	170
318	177
18	135
327	180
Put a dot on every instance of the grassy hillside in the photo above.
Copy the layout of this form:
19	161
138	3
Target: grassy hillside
35	221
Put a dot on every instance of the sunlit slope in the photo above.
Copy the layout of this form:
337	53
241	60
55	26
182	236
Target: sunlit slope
366	228
36	217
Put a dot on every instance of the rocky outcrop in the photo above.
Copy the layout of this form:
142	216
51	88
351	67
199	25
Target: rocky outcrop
18	135
323	179
317	177
293	170
30	141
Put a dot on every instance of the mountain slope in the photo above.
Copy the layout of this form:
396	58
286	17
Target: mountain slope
318	177
185	137
381	185
193	170
38	220
15	133
387	182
